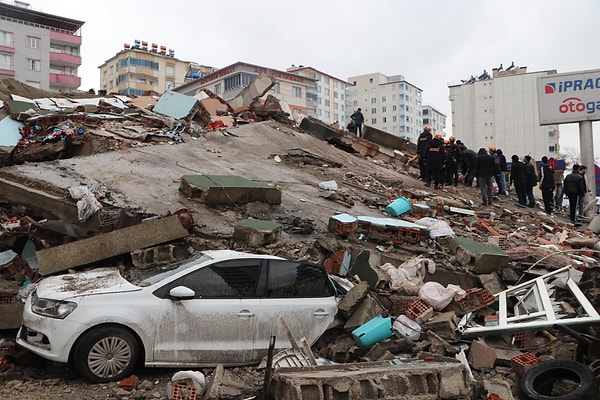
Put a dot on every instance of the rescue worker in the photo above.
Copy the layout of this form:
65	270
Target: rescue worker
452	157
436	158
422	146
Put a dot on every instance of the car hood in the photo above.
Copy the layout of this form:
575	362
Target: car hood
97	281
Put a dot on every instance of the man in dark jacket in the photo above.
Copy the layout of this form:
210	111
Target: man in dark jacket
517	176
469	164
452	159
358	119
547	185
501	180
574	186
436	158
422	148
485	173
530	181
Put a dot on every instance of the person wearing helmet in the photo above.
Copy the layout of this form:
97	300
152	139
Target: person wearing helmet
422	147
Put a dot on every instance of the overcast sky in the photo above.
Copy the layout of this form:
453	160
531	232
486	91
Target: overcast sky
430	42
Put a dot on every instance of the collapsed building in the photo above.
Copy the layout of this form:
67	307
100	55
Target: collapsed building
445	299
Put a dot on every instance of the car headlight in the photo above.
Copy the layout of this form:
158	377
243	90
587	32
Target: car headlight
51	308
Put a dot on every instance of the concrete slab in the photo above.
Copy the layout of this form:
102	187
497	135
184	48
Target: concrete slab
416	380
228	189
100	247
256	232
480	257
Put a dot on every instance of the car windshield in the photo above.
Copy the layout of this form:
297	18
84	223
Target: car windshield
150	276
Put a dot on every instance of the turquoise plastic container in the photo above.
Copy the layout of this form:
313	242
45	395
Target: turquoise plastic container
398	207
373	331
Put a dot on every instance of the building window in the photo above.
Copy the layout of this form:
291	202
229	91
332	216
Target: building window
370	80
6	62
384	109
169	70
384	120
6	39
34	84
32	42
326	80
373	121
383	99
326	102
218	89
326	91
394	108
373	111
297	92
276	88
335	94
233	82
34	65
394	118
373	100
552	148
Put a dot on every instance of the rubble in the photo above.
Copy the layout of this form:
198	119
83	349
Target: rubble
485	283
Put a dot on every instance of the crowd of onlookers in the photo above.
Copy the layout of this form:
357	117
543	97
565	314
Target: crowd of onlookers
449	161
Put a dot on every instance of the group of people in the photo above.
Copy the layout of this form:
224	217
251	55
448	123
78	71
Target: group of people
449	161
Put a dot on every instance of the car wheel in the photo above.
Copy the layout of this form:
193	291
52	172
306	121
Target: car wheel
559	380
106	354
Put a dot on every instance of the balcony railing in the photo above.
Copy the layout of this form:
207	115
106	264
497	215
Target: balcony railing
65	80
64	38
65	59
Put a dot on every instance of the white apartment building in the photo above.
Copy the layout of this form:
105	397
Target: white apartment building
39	49
502	110
434	118
389	103
328	96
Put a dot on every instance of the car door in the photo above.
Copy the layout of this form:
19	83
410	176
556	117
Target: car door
302	295
218	324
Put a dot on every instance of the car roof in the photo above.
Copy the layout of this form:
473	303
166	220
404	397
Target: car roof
233	254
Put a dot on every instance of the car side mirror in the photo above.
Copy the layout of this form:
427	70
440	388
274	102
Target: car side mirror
181	292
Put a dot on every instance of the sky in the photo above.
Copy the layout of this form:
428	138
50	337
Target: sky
430	42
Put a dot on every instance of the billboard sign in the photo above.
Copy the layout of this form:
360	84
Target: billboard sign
570	97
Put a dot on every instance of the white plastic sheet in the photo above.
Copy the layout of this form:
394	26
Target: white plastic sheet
408	276
437	228
438	296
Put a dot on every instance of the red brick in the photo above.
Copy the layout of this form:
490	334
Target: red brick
524	361
182	392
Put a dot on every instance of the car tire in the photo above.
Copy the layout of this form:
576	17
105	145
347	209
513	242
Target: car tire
106	354
538	381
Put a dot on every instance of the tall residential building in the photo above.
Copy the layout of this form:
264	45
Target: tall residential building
389	103
502	110
228	82
39	49
328	97
434	118
144	67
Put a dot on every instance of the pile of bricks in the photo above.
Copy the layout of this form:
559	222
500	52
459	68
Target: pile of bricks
419	311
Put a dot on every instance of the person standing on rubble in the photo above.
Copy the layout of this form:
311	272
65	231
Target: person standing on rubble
581	200
485	173
452	157
547	185
574	185
530	181
359	120
436	159
519	178
503	171
422	147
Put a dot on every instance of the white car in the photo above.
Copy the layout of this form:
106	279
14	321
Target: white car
218	307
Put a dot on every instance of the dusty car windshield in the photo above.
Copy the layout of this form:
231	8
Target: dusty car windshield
152	275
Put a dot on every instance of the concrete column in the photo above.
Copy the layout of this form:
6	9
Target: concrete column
586	144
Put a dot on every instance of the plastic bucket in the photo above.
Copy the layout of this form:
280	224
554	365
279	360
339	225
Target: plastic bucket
398	207
373	331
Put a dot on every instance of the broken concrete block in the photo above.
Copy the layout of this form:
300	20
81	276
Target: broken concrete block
353	298
256	232
444	324
479	257
11	315
228	190
318	129
100	247
498	388
159	255
223	385
368	309
481	355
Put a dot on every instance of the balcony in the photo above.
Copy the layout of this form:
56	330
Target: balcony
63	59
6	49
7	72
63	38
64	81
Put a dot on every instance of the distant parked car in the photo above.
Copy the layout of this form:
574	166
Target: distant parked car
219	307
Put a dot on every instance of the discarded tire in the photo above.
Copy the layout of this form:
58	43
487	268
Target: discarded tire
559	380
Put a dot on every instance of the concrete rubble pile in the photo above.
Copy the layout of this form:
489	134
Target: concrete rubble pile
442	299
